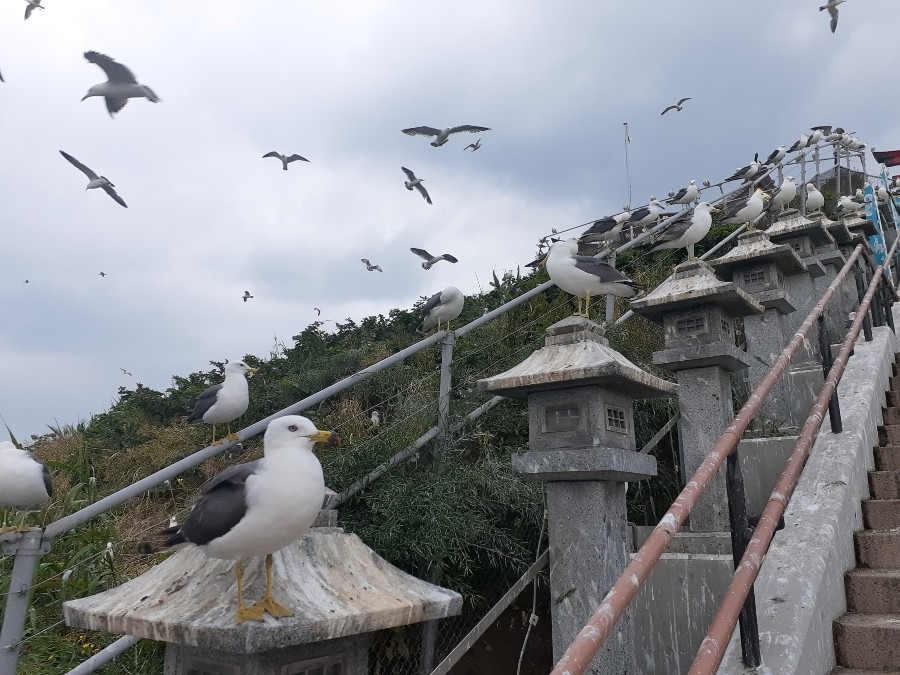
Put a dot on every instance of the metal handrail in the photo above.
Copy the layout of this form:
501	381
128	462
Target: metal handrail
584	648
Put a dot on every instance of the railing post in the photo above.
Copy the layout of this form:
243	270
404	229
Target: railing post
28	552
860	292
834	407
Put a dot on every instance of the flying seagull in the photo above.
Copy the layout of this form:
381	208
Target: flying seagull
24	482
474	146
1	78
685	195
746	210
246	296
126	372
815	200
442	135
370	266
223	403
120	84
95	181
318	311
441	307
746	172
416	183
682	232
32	4
285	160
831	6
430	260
677	107
585	276
102	274
784	195
776	156
260	507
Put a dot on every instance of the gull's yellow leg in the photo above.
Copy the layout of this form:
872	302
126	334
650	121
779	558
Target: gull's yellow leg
245	613
214	441
268	604
230	436
587	307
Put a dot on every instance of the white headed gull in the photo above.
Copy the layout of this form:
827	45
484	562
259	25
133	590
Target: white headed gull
442	135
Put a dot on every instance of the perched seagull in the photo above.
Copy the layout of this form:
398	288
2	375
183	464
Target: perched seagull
442	134
102	274
746	172
606	229
682	232
784	195
815	136
126	372
370	266
246	296
95	181
223	403
847	205
441	307
746	210
24	482
474	146
416	183
585	276
376	418
685	195
430	260
882	195
677	107
260	507
120	84
285	160
815	200
647	214
32	5
831	6
776	156
800	143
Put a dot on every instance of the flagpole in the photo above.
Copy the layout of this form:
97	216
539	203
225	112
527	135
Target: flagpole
627	166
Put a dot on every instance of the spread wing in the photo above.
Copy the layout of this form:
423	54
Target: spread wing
671	107
221	506
114	105
449	258
78	165
688	98
115	72
469	128
272	154
422	253
409	174
833	11
111	191
423	192
205	401
366	261
294	158
421	131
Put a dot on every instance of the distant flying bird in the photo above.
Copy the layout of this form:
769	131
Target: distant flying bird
677	106
26	282
95	181
370	266
815	200
784	195
442	135
223	403
682	232
1	78
831	6
126	372
776	156
120	84
32	4
474	146
102	274
318	311
441	307
285	160
746	210
747	172
246	296
24	481
431	260
416	183
685	195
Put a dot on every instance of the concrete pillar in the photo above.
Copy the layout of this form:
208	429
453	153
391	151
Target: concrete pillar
580	395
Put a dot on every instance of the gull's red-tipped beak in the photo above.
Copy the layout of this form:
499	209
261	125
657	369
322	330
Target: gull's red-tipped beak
328	437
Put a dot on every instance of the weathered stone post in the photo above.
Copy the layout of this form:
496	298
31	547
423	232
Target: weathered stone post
760	267
339	590
846	296
697	311
580	395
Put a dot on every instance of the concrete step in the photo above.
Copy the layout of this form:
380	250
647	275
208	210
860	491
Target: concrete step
891	415
889	434
891	399
873	591
884	484
878	549
881	514
887	458
857	671
895	383
868	641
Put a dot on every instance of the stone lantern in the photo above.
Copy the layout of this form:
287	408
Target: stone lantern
580	395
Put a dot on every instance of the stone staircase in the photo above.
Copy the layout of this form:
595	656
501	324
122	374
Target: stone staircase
867	637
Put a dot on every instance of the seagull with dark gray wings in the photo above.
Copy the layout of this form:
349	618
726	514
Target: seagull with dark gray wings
95	181
285	160
32	5
416	183
832	7
120	84
431	260
677	106
442	135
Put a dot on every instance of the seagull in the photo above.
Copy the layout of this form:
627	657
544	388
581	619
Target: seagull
285	160
416	183
776	156
246	296
474	146
318	311
126	372
746	172
784	195
815	136
430	260
370	266
815	200
800	143
120	84
376	418
831	6
682	232
441	307
24	482
95	181
685	195
606	229
585	276
32	5
746	210
1	78
882	195
260	507
442	134
847	204
223	403
102	274
647	214
677	107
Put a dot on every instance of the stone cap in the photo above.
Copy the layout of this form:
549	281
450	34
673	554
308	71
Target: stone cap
611	464
855	223
838	230
754	248
574	356
778	299
695	284
335	585
721	354
795	225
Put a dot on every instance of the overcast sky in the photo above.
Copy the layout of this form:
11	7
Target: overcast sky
208	218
